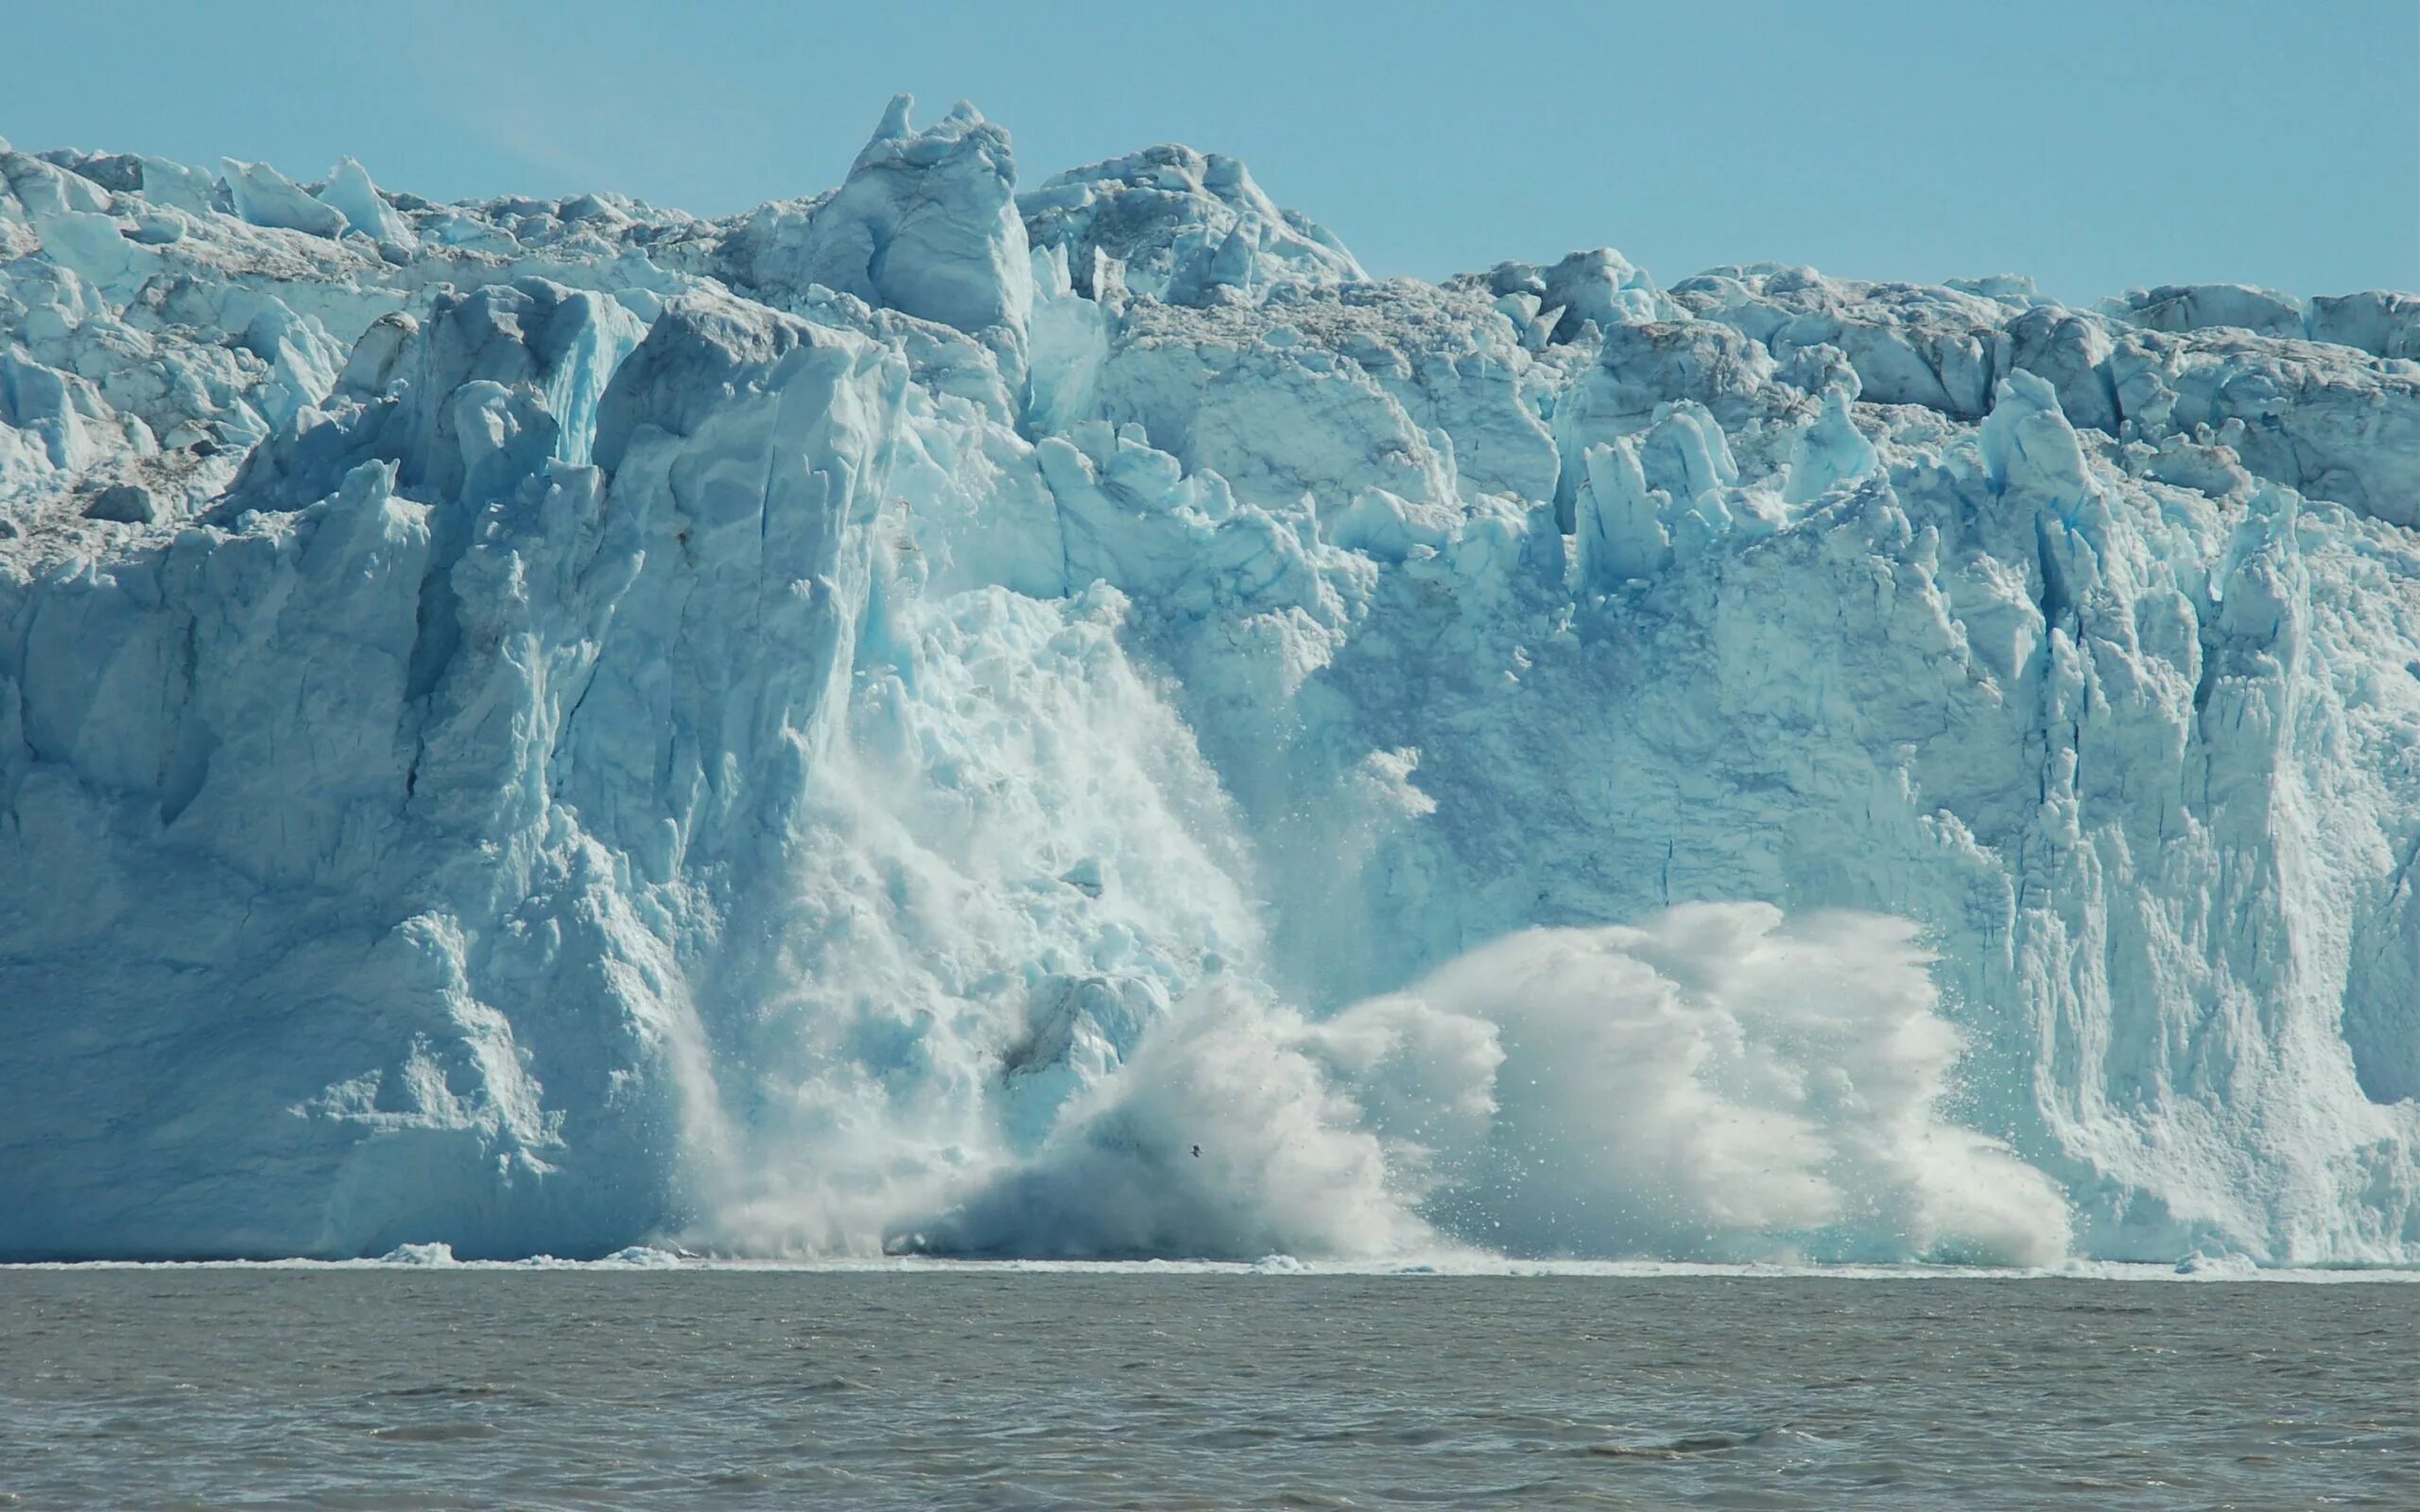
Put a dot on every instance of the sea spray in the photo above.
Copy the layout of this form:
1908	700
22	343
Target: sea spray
1718	1082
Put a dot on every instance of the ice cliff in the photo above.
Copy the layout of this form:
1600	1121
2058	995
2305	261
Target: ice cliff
1080	722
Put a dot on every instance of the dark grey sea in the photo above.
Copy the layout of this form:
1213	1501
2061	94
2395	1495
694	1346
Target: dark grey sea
327	1388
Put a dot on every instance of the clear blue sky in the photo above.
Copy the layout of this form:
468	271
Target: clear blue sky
2094	144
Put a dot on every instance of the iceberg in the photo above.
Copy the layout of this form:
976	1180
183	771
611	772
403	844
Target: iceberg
948	717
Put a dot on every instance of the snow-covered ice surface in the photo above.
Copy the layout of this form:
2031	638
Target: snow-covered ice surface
888	723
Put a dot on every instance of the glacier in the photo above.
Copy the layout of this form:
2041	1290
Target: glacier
1072	720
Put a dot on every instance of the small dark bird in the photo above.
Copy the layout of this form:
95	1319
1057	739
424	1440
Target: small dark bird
1197	1152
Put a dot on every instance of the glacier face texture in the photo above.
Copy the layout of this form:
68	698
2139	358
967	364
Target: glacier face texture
1079	722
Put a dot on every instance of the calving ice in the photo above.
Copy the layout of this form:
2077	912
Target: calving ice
891	720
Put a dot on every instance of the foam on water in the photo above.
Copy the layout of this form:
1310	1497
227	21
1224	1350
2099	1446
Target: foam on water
1446	1264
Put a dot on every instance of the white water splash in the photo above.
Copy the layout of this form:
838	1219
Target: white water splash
1718	1083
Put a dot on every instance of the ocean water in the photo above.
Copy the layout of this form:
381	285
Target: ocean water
383	1388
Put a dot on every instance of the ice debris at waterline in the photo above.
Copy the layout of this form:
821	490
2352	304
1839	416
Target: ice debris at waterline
890	720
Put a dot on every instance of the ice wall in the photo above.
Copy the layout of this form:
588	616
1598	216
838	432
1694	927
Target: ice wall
894	719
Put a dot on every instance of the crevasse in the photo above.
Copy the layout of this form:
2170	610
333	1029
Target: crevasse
1084	723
